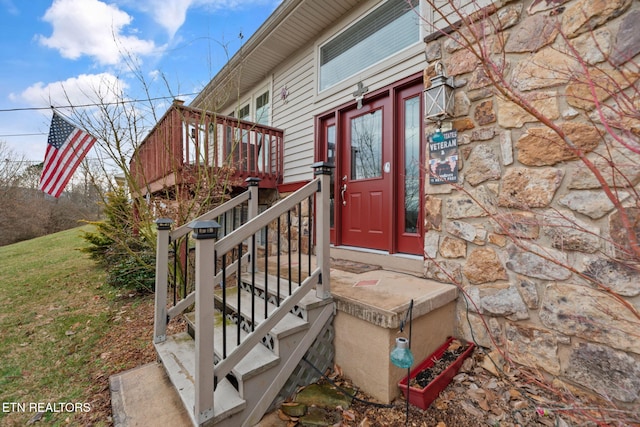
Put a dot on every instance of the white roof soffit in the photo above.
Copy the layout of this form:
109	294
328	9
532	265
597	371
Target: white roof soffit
293	24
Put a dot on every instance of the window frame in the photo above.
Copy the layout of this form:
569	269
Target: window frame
362	16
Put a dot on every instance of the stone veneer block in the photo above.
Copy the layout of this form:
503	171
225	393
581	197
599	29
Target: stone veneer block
537	261
622	278
621	235
529	188
484	266
483	165
533	346
603	83
511	115
464	206
518	225
506	148
585	15
546	68
593	204
532	34
450	247
588	313
605	371
542	146
627	44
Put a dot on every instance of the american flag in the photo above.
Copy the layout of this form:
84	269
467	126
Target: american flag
66	148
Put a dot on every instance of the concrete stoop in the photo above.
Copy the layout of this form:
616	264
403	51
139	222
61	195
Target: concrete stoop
370	308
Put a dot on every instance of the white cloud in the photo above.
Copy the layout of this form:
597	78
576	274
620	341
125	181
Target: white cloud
171	14
93	28
85	89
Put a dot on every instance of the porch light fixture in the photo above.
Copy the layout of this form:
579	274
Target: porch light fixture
163	223
207	229
438	98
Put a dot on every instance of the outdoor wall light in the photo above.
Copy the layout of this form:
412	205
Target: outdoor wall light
163	223
438	98
205	229
401	355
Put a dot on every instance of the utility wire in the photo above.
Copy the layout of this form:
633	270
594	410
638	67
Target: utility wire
23	134
98	104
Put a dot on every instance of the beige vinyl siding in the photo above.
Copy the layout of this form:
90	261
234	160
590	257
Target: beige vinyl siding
296	117
304	103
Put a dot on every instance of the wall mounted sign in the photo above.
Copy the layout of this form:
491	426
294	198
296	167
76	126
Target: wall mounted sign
443	157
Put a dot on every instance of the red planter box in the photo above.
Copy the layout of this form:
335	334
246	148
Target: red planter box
422	398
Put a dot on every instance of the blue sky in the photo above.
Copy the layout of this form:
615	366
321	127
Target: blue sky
53	51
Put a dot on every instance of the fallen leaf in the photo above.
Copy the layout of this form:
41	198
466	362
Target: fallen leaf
337	369
349	415
514	394
441	424
520	405
493	363
454	345
364	423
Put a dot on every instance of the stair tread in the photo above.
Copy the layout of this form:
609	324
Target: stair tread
257	360
307	302
288	325
177	354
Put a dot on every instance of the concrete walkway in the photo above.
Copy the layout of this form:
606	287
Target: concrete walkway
144	396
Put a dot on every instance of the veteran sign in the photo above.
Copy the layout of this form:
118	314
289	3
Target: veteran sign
443	157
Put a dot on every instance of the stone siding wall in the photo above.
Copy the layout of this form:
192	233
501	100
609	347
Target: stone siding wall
528	231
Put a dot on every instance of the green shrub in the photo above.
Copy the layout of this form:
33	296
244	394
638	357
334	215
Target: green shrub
126	251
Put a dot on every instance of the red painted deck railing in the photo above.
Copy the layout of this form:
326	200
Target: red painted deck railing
186	139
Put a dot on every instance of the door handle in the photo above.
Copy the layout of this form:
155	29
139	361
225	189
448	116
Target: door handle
343	189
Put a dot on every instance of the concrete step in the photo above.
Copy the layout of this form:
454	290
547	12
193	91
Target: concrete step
269	285
177	354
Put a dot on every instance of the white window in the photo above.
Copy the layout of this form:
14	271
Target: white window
385	31
262	109
244	113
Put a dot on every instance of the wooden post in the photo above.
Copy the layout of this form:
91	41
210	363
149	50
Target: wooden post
323	170
162	271
205	234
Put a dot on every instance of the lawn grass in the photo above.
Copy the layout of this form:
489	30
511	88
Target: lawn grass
54	309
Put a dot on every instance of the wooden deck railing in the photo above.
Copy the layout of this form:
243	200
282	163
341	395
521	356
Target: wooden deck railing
187	139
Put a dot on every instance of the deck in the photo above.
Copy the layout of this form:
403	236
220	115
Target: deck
188	146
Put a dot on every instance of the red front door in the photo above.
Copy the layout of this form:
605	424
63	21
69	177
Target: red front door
364	178
378	151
